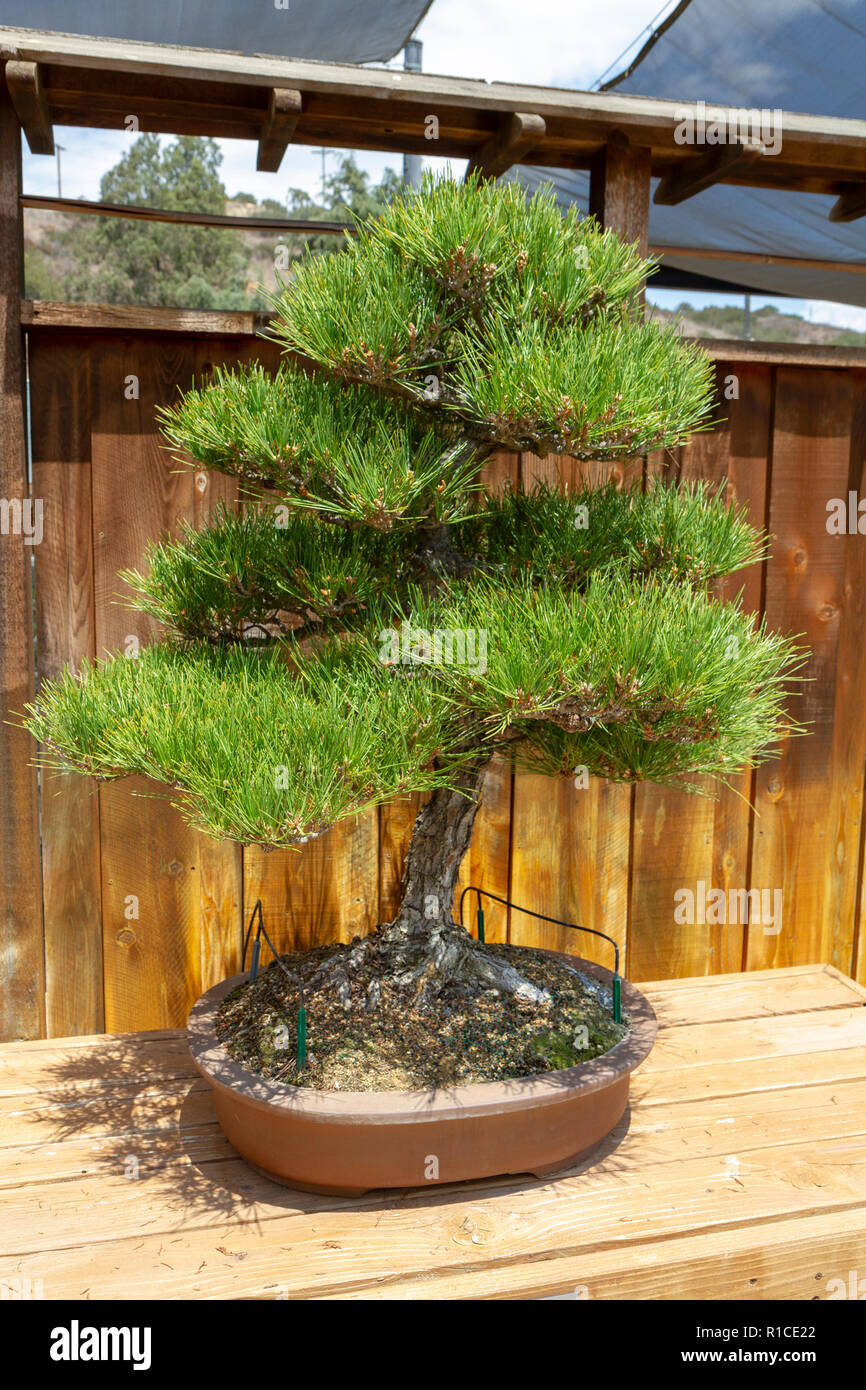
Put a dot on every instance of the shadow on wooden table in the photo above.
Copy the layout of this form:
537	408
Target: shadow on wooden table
129	1111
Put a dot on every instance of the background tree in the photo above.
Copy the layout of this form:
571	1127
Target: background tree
121	262
320	662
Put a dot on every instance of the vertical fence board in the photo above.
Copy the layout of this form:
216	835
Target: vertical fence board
570	844
395	830
680	839
185	889
797	833
570	854
22	998
486	863
327	890
65	636
843	915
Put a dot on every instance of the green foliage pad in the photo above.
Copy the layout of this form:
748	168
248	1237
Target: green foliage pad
369	620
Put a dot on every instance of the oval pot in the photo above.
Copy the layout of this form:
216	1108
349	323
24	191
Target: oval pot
348	1142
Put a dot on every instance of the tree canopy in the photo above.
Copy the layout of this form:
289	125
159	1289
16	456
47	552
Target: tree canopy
309	665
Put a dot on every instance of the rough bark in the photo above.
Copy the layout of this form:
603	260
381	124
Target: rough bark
424	948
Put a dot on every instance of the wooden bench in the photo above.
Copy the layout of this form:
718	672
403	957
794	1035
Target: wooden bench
740	1173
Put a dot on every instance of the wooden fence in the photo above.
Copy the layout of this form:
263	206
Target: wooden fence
140	913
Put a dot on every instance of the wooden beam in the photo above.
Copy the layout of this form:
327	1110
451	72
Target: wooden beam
850	204
517	135
716	164
284	112
194	219
619	186
43	314
141	318
22	998
96	82
24	81
707	253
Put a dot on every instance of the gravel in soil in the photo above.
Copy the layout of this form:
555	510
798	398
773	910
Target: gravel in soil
464	1038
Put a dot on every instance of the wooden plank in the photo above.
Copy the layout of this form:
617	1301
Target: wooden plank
139	318
327	890
395	830
843	920
819	151
704	170
518	134
487	861
257	1246
570	842
741	1167
806	835
284	110
24	81
134	212
152	875
96	1062
681	840
65	636
143	318
774	1260
752	994
850	204
706	253
619	188
22	1001
703	1131
782	1036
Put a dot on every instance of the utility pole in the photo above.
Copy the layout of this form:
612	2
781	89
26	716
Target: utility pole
412	163
58	148
324	152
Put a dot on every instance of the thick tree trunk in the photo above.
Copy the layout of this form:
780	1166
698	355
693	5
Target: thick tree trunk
424	947
423	950
440	839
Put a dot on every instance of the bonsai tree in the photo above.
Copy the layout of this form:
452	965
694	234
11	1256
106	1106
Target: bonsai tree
374	623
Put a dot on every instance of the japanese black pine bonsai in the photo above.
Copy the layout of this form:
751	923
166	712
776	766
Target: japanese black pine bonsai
373	624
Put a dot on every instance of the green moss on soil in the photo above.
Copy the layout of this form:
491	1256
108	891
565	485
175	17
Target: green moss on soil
487	1037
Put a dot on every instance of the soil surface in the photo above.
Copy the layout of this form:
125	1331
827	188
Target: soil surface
486	1036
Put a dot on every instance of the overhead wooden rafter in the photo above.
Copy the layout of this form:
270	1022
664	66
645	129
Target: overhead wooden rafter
702	171
850	204
24	81
284	111
181	91
516	136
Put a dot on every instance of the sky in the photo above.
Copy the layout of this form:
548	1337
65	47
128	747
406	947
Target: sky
564	43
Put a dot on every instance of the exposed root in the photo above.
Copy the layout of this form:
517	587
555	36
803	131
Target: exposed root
426	962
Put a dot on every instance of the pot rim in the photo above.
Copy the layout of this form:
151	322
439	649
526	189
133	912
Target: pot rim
386	1107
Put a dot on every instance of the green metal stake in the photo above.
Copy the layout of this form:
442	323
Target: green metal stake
617	999
302	1038
480	923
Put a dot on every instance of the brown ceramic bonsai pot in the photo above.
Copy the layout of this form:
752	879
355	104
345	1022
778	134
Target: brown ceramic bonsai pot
350	1142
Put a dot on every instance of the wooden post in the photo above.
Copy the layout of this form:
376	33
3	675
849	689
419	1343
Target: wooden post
22	997
619	189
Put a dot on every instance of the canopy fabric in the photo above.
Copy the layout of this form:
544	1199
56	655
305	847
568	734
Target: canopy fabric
808	56
336	31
